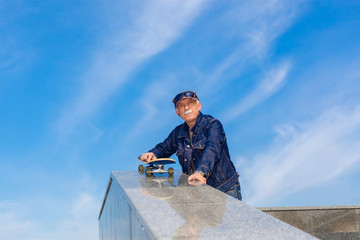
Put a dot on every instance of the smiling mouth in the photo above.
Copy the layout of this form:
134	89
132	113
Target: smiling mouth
188	112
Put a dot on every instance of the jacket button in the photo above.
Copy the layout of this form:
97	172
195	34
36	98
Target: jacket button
185	160
188	146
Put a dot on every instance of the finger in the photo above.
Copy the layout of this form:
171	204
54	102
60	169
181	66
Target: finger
198	177
192	178
144	157
203	179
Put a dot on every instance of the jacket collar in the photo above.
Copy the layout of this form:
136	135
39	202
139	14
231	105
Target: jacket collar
184	131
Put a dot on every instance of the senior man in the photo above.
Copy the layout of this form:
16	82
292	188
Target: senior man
201	146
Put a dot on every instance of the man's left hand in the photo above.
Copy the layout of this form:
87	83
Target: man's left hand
196	177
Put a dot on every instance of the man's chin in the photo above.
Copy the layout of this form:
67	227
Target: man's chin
189	117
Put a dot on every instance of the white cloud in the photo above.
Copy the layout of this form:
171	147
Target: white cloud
270	84
11	225
268	21
15	50
67	215
317	152
155	106
257	25
285	131
155	27
83	222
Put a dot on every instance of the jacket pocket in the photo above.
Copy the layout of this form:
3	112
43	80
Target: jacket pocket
199	144
199	149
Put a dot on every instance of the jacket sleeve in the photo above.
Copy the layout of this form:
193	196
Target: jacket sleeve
213	146
166	148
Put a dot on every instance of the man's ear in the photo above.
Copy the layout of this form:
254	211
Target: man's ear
199	106
177	113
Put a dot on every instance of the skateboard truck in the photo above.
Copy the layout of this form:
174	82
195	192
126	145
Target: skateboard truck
156	166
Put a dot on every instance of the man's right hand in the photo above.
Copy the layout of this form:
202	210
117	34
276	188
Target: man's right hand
146	157
196	179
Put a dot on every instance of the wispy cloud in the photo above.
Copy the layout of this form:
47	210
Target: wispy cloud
10	223
49	217
259	24
15	51
271	83
156	96
316	152
155	27
82	224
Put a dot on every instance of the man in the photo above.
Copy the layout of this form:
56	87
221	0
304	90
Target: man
201	146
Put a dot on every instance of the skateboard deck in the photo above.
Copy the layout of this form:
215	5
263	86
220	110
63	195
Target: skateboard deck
156	166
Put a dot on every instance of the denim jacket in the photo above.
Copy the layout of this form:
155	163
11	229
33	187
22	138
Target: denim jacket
208	149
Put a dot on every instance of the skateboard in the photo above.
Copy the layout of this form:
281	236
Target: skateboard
156	166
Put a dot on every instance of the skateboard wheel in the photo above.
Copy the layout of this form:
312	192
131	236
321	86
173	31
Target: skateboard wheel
171	171
171	180
141	167
148	172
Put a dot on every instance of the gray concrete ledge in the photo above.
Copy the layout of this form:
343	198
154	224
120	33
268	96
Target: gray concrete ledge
314	208
326	222
159	207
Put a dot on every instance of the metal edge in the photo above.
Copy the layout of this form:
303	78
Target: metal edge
106	194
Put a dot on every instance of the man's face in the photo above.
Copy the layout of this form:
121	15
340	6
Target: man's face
188	109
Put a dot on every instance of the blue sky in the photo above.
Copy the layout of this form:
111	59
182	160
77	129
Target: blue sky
86	87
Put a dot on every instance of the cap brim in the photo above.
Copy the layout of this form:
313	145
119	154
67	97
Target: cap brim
186	98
